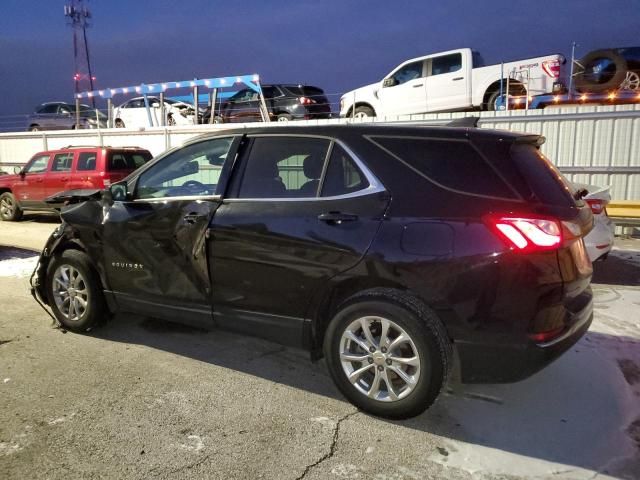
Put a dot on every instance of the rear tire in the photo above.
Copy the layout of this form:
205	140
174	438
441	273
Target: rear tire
119	123
10	211
407	359
518	90
284	117
34	128
75	292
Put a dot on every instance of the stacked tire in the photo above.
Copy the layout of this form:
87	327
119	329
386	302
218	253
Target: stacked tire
604	70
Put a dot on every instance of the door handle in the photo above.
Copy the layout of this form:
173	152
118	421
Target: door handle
39	180
64	179
418	85
457	78
192	217
337	217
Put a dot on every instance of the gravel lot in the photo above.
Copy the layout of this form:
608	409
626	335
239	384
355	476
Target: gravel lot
140	398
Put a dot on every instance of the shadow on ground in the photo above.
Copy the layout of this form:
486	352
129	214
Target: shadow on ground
620	268
575	412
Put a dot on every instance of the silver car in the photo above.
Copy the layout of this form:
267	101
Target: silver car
62	116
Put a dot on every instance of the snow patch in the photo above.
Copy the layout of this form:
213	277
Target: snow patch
576	418
18	267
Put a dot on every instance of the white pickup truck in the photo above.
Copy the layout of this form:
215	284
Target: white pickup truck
450	81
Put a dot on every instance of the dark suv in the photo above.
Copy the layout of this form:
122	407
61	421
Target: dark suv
284	103
383	249
67	168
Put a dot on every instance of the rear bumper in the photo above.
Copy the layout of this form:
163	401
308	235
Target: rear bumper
506	363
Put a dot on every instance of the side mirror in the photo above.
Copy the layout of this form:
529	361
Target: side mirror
17	170
116	193
389	82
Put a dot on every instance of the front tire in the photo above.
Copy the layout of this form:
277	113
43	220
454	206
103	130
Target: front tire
74	292
387	353
363	112
119	123
284	117
10	211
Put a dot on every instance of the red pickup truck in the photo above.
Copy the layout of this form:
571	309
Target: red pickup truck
68	168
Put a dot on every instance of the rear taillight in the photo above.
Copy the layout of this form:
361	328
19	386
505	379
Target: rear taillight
525	234
597	206
306	100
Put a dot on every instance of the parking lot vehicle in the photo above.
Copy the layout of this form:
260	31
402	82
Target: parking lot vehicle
384	249
62	116
599	241
133	113
450	81
284	103
53	171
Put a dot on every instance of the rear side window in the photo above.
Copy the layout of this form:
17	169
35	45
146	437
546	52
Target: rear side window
453	165
304	91
544	179
343	176
446	64
127	160
86	161
283	167
62	162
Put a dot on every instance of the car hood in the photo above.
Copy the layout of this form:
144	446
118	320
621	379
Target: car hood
595	191
363	91
74	196
6	180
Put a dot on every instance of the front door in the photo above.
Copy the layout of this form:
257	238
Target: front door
300	210
404	93
29	190
155	241
244	106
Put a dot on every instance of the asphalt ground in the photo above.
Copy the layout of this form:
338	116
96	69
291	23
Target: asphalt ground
142	398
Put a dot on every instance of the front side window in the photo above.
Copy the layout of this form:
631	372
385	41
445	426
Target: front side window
411	71
283	167
38	164
245	95
446	64
51	108
62	162
190	171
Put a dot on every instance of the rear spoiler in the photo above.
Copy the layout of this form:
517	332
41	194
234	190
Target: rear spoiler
464	122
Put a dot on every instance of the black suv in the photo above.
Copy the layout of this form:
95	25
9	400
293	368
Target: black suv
283	102
383	249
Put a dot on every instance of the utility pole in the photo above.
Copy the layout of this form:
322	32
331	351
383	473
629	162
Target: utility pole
78	16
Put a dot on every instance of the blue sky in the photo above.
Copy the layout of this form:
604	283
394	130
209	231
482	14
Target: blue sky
335	44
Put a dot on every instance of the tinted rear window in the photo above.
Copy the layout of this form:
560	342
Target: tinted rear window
304	91
544	179
127	160
454	165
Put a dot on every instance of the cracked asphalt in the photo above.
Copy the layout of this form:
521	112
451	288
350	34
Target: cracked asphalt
142	398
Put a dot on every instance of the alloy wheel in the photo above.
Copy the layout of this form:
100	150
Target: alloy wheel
70	292
379	358
7	207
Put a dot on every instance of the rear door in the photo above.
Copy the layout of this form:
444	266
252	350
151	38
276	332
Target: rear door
448	82
154	241
300	210
59	174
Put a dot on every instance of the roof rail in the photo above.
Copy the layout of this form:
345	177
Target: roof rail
86	146
469	122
